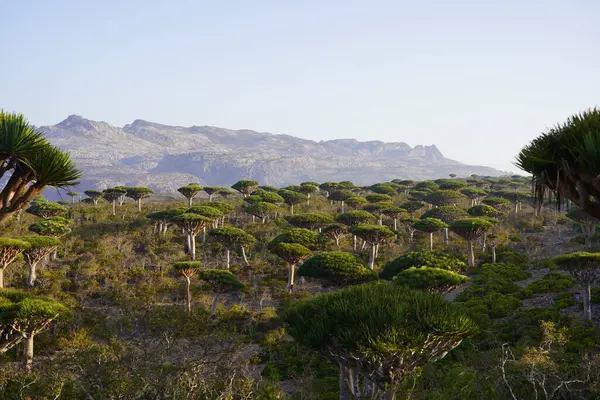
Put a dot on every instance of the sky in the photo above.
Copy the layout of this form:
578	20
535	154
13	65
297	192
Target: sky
479	79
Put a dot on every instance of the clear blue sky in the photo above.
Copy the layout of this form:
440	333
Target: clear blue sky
477	78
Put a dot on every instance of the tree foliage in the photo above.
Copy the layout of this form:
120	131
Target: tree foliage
337	268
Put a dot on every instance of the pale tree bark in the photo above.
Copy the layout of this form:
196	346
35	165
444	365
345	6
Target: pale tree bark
430	241
32	276
227	258
343	208
244	256
188	294
193	248
28	352
470	254
2	278
493	254
372	257
587	302
291	273
446	236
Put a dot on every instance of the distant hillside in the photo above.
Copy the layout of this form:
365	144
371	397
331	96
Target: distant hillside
166	157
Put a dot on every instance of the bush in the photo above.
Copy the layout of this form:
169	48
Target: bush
504	272
336	267
430	279
421	259
493	305
553	282
507	255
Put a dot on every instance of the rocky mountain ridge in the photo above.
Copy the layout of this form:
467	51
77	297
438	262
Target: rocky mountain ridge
166	157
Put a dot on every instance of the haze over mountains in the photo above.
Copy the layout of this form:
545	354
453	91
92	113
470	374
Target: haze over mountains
166	157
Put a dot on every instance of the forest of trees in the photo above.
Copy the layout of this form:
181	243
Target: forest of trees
455	288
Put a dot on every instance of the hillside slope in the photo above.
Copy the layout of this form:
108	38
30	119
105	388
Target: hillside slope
165	157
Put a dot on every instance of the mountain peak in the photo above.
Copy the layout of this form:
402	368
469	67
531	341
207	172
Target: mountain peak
165	157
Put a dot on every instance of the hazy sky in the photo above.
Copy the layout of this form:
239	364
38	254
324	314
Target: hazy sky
477	78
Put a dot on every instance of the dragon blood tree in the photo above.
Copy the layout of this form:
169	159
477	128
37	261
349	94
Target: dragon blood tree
22	317
94	195
9	250
447	214
221	282
374	235
292	254
245	186
138	193
187	269
585	268
231	238
564	162
378	334
429	226
470	229
40	247
335	232
189	192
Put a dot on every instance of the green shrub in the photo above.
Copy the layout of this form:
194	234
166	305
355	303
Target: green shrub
336	267
564	300
553	282
491	273
430	279
421	259
493	305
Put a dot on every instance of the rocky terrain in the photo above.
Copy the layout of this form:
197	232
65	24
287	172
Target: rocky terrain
165	157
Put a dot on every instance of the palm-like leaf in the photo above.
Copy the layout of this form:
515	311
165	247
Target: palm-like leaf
18	139
53	167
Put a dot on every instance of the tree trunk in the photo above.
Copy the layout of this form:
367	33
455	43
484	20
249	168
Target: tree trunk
227	259
213	307
430	241
517	208
139	201
412	235
483	241
32	275
380	221
446	236
28	352
343	206
193	247
587	302
203	235
291	209
114	207
188	243
188	294
291	272
190	201
470	254
494	254
1	278
337	242
395	224
264	219
244	256
354	243
344	387
253	219
372	257
210	196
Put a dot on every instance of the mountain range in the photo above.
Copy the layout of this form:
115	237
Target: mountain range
165	157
